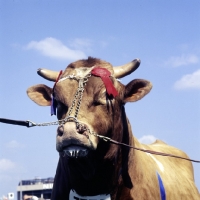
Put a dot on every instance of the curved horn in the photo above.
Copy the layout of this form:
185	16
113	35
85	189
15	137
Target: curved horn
48	74
124	70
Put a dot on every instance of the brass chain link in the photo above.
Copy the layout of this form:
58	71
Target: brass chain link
77	98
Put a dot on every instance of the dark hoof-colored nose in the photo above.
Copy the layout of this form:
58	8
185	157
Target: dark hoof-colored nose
81	128
60	130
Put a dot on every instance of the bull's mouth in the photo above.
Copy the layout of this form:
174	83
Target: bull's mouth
74	151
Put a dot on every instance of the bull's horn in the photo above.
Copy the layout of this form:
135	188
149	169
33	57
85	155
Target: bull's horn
124	70
48	74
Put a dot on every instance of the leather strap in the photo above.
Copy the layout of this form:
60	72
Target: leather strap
16	122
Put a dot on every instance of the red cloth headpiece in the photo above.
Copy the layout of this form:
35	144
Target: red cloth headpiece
105	76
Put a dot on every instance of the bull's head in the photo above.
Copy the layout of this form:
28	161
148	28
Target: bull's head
86	108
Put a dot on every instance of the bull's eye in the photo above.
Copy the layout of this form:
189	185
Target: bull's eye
96	103
100	99
61	110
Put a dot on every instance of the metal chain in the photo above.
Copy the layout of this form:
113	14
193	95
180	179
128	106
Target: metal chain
79	93
78	96
73	103
107	139
45	123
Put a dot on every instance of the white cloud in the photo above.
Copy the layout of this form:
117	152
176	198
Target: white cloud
147	139
13	144
189	81
182	60
79	43
10	170
54	48
6	165
10	173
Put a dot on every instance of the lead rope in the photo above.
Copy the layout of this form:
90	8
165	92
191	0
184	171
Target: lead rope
30	124
106	139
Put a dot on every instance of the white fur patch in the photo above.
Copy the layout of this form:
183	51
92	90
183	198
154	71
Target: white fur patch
160	165
74	196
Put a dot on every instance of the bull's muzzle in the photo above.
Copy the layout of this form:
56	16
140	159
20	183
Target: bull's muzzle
74	140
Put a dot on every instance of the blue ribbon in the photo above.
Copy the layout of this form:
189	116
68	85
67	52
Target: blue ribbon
53	106
162	188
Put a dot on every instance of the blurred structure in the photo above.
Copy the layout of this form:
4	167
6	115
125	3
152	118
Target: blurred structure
35	189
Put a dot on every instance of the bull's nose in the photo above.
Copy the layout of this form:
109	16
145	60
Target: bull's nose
60	130
81	128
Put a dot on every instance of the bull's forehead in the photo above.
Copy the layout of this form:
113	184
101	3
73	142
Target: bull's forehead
68	83
66	87
83	67
82	71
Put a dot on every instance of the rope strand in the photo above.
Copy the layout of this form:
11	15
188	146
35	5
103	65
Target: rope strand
107	139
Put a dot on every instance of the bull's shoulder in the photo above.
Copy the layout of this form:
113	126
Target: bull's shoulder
159	142
171	162
168	162
163	147
174	171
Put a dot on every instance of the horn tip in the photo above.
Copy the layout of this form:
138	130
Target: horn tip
137	60
39	71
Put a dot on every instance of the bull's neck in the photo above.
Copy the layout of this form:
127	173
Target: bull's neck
98	174
93	176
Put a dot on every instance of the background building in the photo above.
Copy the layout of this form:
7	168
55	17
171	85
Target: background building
41	188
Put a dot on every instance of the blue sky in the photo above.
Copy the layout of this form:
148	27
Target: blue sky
165	35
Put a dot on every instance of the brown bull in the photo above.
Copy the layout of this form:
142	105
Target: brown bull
90	104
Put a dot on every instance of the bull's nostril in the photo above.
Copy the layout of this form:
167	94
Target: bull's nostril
81	128
60	130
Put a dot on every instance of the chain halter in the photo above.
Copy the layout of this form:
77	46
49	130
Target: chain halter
76	102
78	97
82	81
96	71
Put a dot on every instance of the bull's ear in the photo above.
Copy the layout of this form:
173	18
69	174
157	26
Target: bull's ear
136	90
40	94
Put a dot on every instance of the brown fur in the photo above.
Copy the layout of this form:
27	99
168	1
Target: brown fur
125	173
